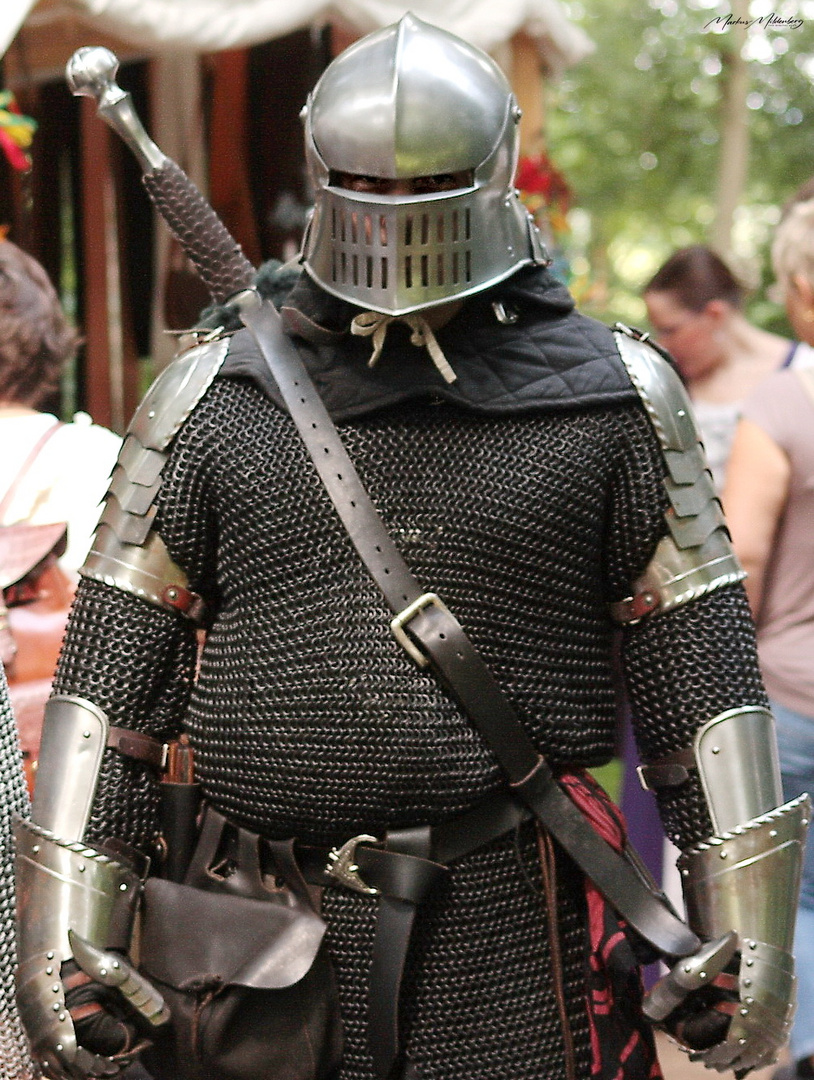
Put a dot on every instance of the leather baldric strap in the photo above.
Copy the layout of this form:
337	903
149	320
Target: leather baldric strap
432	635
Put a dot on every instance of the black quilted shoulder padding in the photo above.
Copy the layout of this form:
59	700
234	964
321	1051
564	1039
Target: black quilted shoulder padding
551	357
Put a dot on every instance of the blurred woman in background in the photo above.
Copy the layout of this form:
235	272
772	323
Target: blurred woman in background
67	477
53	476
695	307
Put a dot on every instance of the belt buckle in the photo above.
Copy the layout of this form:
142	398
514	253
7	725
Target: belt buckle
429	599
342	866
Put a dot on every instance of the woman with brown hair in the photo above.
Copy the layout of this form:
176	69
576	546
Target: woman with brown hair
695	307
49	471
53	476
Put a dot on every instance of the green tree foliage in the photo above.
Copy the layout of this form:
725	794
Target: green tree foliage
636	129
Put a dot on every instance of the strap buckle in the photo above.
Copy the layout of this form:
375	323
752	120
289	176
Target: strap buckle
342	866
429	599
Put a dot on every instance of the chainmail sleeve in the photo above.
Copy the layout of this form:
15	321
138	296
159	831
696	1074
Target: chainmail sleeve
15	1058
685	666
133	661
683	669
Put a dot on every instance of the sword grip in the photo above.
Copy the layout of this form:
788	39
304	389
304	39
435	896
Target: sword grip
215	253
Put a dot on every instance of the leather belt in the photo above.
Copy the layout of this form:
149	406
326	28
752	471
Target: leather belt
402	871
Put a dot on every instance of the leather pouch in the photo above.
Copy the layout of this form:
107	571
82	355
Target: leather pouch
238	952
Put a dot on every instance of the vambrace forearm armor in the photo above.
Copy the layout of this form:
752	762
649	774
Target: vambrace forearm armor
68	891
746	876
695	556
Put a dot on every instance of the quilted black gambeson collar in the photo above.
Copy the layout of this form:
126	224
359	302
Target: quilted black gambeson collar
550	358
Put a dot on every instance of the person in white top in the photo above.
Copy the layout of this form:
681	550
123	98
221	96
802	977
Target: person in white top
694	305
63	477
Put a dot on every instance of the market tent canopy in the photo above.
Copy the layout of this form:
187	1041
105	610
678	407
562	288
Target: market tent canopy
213	25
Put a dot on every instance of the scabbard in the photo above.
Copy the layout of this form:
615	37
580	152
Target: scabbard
179	816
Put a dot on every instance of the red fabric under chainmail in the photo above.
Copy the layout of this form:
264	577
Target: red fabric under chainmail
622	1042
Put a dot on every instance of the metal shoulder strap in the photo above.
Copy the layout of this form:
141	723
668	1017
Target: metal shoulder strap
430	633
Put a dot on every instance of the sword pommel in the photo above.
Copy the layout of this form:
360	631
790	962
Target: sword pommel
91	72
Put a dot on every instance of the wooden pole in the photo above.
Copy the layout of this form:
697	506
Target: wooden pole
97	195
527	82
110	354
733	162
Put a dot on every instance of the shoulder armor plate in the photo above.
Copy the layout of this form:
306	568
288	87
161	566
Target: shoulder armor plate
126	553
175	393
696	555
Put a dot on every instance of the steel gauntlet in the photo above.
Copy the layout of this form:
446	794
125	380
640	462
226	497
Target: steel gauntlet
748	878
73	903
744	878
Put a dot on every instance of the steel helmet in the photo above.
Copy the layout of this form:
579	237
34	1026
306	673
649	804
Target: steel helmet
407	102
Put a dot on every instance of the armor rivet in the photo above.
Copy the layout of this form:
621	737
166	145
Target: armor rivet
681	412
123	887
61	1016
59	1047
85	734
103	972
49	956
752	944
151	414
747	982
744	1012
49	970
749	1000
81	868
688	968
772	832
36	848
702	974
685	873
741	1042
723	854
716	749
115	965
750	963
55	988
56	1006
172	593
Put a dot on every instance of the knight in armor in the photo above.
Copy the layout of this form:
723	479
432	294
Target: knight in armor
542	473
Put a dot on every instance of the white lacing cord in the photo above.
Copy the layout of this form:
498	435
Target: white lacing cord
374	324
